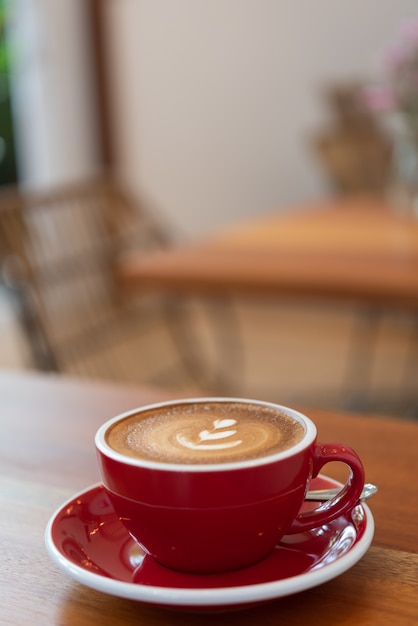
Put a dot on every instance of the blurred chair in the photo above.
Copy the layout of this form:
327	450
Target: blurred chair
57	252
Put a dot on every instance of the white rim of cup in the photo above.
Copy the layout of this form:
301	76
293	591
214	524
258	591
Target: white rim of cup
308	438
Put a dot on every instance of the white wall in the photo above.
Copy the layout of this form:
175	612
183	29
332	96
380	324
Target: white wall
52	96
215	100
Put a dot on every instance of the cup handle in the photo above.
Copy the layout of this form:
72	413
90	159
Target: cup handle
345	500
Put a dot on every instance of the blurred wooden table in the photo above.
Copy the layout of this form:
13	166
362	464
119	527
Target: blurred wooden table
47	454
358	250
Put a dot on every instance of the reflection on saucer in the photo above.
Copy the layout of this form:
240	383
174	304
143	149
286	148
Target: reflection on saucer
87	540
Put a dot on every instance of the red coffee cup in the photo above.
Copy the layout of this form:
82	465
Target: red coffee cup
213	517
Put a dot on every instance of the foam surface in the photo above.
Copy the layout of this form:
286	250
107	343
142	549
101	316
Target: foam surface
212	432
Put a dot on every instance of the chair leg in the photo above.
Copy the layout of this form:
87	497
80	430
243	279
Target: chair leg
357	379
224	328
42	354
410	370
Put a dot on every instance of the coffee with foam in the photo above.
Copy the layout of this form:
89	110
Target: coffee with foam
205	432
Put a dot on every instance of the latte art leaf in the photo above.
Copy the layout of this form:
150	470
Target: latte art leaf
224	423
184	438
207	446
206	435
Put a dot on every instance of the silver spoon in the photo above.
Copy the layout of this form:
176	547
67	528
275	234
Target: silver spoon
326	494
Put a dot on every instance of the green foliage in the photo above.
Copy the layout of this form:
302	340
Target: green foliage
8	171
4	47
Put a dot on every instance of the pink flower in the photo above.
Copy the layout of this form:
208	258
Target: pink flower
378	98
409	31
394	58
399	89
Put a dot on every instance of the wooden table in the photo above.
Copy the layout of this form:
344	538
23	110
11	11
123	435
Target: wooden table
358	250
47	454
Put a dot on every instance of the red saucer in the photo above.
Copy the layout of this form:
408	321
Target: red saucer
88	542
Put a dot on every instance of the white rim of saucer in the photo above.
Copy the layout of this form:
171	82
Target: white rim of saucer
216	596
306	441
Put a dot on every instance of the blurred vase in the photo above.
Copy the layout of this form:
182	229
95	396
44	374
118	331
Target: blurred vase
404	180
